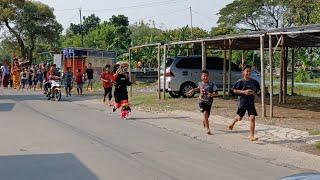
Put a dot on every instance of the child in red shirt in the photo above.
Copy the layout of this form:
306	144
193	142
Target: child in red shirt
107	79
79	81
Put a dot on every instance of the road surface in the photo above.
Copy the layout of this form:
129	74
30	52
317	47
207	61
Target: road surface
43	139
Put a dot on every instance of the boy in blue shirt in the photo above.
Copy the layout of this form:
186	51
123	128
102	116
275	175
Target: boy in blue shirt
247	89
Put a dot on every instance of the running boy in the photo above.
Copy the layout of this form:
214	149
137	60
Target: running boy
246	89
207	91
107	78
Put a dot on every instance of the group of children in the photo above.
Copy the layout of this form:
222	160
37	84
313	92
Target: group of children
246	89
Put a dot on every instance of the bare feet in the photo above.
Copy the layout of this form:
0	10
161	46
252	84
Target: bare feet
230	127
252	138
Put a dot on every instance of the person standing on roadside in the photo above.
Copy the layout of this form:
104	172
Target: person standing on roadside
68	79
107	79
79	81
5	73
89	75
16	73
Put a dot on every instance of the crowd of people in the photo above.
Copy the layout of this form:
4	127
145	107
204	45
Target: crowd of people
22	77
40	76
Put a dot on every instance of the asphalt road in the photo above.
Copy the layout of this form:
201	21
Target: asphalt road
43	139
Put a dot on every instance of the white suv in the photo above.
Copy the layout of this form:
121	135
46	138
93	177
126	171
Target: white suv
183	74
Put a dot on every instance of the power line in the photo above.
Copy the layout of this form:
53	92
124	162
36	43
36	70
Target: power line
164	14
150	4
65	9
205	16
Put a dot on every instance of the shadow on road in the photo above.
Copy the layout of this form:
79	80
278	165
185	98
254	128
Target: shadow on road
45	166
44	98
6	107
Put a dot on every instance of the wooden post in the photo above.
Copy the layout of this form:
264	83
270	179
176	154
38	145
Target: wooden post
159	65
292	74
271	76
130	72
242	58
281	70
285	76
164	70
73	66
263	109
204	55
224	72
229	68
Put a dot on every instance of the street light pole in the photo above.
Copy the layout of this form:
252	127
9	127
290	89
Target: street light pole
81	27
191	25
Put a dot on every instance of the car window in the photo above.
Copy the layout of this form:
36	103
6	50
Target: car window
189	63
214	63
169	62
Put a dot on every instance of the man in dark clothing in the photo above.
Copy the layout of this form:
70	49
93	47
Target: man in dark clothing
68	80
89	73
247	89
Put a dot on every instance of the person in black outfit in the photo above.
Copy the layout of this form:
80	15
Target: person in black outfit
89	73
121	81
246	89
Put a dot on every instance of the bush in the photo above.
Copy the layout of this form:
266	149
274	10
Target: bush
303	76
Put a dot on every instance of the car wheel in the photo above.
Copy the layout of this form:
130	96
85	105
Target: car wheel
174	94
185	88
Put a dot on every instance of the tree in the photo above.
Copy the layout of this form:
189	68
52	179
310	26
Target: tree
253	15
8	14
89	23
122	40
302	12
120	20
30	23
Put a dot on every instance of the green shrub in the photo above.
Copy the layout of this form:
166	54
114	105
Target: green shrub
303	76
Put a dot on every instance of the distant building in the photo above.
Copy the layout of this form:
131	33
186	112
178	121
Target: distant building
78	58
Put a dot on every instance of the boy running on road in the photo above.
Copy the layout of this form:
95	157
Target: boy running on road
207	91
246	89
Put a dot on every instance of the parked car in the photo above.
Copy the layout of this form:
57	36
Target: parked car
183	74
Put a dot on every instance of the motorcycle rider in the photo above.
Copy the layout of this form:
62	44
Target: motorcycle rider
52	74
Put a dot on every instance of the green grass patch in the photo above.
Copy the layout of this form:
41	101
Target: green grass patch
150	101
318	145
300	90
314	132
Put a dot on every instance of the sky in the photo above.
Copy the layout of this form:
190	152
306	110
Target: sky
167	14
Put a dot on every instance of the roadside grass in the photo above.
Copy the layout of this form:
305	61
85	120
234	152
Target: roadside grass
318	145
150	102
314	132
300	90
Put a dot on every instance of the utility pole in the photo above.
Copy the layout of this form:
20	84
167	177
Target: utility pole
81	28
191	21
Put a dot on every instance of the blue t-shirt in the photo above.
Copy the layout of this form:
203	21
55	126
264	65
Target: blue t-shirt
205	89
245	101
68	77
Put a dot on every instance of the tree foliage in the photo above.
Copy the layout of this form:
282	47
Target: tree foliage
30	23
89	23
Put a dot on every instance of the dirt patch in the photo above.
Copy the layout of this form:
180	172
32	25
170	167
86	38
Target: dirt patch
302	113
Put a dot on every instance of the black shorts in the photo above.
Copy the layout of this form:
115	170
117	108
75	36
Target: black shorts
108	90
251	111
205	107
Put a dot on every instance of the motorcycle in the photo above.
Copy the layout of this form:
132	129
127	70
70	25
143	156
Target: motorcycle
55	90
